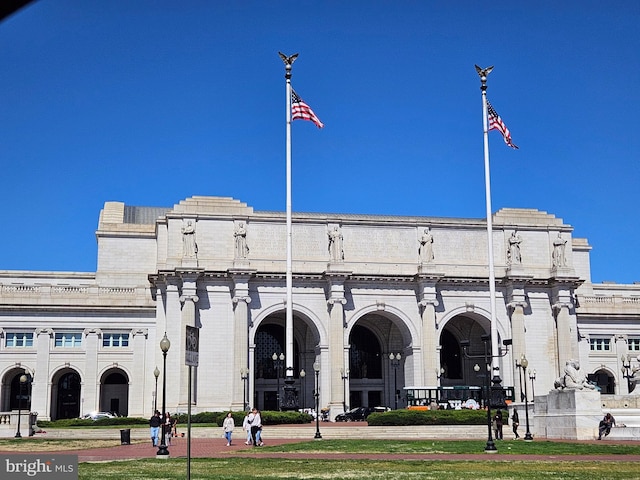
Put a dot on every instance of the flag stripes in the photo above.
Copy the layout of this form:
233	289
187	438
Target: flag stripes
301	111
496	123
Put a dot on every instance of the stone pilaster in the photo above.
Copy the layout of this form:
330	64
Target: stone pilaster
91	383
337	341
140	394
516	305
40	389
428	370
241	301
188	299
565	317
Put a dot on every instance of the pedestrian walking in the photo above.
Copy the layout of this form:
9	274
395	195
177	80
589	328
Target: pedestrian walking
227	427
154	423
515	422
256	428
498	425
246	426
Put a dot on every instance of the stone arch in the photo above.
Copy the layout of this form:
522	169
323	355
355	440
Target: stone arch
464	323
604	378
375	379
114	391
66	391
14	393
268	375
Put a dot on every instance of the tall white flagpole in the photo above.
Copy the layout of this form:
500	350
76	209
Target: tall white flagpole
288	63
492	276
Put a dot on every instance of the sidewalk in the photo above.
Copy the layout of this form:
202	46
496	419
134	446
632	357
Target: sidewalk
209	443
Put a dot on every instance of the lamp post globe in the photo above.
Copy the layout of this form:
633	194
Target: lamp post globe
165	344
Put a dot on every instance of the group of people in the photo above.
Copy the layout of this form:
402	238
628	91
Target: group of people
252	424
168	424
498	422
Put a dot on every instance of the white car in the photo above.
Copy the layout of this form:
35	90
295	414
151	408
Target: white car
97	415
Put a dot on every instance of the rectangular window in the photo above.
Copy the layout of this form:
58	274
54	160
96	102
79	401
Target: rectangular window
633	344
19	339
600	344
115	340
69	339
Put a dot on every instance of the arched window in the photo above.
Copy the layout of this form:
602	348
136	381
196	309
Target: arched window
270	340
365	356
68	396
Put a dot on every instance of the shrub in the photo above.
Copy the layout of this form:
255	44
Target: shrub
430	417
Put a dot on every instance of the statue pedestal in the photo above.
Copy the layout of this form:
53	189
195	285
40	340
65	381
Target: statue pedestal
568	414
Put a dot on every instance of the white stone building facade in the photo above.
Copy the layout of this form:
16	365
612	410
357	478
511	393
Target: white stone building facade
364	287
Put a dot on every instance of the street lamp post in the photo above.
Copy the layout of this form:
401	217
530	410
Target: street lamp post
165	344
525	363
626	371
495	393
23	380
156	373
394	358
244	375
303	386
277	364
532	377
344	375
316	369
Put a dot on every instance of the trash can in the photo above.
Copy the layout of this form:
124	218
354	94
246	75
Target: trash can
125	436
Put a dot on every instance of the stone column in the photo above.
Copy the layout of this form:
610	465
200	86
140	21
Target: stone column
90	400
175	361
41	387
428	370
241	301
621	350
566	322
337	343
188	299
516	303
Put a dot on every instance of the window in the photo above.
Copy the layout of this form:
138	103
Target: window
19	339
115	339
600	344
633	344
69	339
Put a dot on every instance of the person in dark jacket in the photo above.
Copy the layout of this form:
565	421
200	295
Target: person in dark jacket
154	422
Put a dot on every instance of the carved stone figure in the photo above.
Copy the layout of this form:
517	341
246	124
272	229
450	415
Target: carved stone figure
572	378
513	254
189	247
240	234
425	251
557	256
335	245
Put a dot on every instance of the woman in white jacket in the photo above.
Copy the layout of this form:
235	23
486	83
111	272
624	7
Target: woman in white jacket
227	427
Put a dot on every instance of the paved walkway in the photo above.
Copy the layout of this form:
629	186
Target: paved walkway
215	447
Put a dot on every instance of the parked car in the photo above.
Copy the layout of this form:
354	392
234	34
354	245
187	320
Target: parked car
97	415
357	414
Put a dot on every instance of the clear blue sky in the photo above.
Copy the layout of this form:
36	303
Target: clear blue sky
150	102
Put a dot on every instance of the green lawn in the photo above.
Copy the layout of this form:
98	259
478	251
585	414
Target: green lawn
266	469
561	465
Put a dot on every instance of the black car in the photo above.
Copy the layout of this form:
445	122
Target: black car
357	414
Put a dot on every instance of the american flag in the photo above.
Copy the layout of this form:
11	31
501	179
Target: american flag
496	123
302	111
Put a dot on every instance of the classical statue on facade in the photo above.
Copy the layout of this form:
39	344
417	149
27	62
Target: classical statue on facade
558	257
336	251
425	251
240	235
513	253
189	247
572	378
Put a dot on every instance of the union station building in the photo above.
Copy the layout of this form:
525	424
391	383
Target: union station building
381	304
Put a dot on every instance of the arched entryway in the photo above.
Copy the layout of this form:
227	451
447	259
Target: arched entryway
604	380
270	374
17	394
65	395
114	392
375	379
